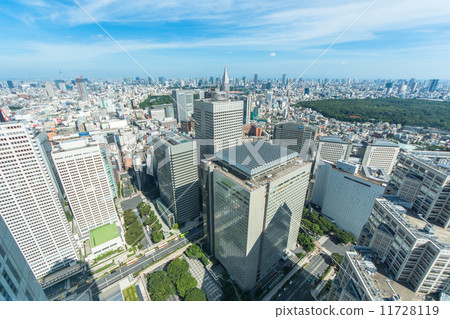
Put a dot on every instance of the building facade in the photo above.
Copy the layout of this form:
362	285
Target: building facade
345	193
30	205
183	105
254	208
413	250
83	174
176	159
17	281
381	154
423	178
218	125
299	136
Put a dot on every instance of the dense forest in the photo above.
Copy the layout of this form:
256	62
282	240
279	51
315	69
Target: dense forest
404	111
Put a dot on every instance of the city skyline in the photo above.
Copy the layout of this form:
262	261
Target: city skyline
402	40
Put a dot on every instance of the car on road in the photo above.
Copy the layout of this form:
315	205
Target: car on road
290	282
310	278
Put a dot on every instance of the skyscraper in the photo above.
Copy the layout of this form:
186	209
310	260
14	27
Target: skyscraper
17	281
284	81
255	79
176	158
183	105
247	109
257	191
10	84
433	85
225	83
29	204
83	175
381	154
345	193
49	90
423	179
300	137
331	149
218	125
413	250
82	86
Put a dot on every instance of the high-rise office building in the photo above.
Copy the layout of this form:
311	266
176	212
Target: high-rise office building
29	203
345	194
218	125
17	281
361	277
225	83
49	89
433	85
255	79
83	175
381	154
284	80
299	137
255	197
413	251
82	87
423	179
247	109
183	105
331	149
176	158
10	84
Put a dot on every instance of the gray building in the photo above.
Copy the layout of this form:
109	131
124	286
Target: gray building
218	125
17	281
423	179
177	167
381	154
183	104
299	136
413	251
345	193
254	203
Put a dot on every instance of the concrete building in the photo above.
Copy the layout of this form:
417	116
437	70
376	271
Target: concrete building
414	251
17	282
381	154
29	203
344	193
361	277
176	160
183	105
423	179
331	149
218	125
253	207
83	174
299	136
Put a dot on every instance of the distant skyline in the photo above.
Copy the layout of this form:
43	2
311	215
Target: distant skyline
182	39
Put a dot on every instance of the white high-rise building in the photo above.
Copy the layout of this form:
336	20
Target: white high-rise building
331	149
218	125
345	193
29	203
17	281
381	154
83	175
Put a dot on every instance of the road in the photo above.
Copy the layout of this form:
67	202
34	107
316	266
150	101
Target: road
301	287
102	283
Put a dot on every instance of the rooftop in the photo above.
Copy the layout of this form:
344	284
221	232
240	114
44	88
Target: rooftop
417	225
256	157
103	234
332	139
383	143
375	277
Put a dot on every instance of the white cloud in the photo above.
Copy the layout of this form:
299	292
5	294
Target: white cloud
273	54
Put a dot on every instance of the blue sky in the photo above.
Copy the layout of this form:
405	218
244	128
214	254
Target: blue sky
177	38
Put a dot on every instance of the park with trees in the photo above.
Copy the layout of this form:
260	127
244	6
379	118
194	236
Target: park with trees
151	220
176	279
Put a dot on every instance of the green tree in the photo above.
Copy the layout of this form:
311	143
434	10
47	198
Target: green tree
306	242
177	268
175	226
184	283
160	286
195	294
157	236
194	251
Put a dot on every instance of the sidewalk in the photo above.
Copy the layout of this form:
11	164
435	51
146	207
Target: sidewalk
316	291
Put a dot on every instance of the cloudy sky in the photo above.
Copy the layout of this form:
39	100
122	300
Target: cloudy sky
177	38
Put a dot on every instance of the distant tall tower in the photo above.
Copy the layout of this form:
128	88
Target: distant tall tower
255	79
83	88
225	83
10	84
283	81
433	85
